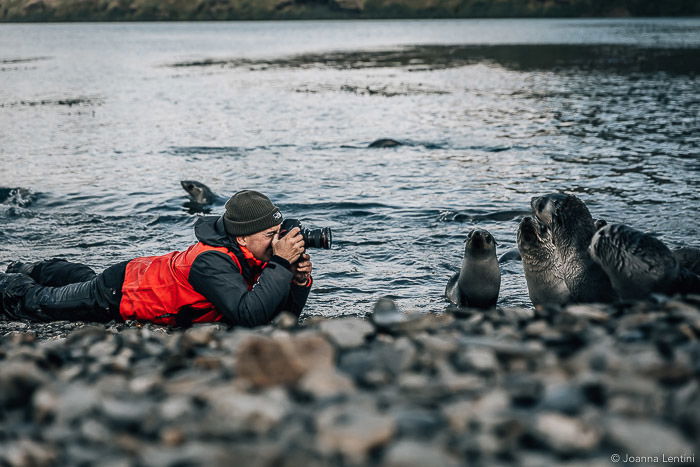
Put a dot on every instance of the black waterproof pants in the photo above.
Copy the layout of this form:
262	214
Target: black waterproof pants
59	290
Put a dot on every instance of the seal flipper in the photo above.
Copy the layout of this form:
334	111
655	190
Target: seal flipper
452	290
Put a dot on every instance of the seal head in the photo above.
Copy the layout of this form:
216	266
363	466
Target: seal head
199	193
572	228
478	282
636	263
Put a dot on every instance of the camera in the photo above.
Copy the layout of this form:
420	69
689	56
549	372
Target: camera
313	238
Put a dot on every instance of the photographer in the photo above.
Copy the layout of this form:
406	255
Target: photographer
240	272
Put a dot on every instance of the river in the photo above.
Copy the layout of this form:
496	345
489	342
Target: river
100	122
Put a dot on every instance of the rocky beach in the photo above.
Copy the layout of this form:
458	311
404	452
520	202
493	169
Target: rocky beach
577	385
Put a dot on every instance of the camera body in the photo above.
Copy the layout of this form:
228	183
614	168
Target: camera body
313	238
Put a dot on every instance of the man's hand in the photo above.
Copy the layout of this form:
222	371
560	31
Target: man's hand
302	270
289	247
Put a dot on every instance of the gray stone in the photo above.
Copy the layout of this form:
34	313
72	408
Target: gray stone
233	411
18	381
416	454
323	383
353	431
477	359
282	360
566	435
346	333
646	438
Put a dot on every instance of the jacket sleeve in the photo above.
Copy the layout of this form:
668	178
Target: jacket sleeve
297	298
216	276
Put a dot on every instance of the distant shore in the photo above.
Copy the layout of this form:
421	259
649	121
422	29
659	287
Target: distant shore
180	10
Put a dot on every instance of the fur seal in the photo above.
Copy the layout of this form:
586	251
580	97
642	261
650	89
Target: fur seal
385	143
688	258
572	227
639	264
545	281
479	280
199	192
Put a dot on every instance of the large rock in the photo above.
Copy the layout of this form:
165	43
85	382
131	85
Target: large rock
418	454
566	435
284	359
353	431
347	333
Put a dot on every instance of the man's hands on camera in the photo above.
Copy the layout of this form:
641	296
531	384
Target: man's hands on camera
302	270
289	247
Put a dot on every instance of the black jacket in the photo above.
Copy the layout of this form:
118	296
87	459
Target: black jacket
216	276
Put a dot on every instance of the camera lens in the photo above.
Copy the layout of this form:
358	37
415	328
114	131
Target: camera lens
318	238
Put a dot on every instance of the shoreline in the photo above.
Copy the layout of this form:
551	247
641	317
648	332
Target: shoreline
543	386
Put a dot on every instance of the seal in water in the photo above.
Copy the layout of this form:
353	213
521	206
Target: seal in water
385	143
479	280
545	281
572	227
639	264
199	192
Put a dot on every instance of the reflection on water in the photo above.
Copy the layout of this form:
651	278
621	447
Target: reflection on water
93	147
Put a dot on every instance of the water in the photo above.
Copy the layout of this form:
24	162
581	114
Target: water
100	122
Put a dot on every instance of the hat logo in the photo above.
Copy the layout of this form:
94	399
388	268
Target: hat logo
277	215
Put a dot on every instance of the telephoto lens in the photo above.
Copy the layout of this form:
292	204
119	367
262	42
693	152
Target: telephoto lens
313	238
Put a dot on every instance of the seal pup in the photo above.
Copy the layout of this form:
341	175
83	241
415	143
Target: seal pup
510	255
544	277
688	258
572	227
384	143
199	193
639	264
479	280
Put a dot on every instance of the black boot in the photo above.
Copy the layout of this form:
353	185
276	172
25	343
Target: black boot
13	288
18	267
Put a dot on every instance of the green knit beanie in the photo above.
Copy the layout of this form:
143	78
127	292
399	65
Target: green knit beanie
249	212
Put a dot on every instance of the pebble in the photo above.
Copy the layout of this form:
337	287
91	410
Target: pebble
513	386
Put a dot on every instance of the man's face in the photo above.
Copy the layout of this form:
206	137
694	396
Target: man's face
260	243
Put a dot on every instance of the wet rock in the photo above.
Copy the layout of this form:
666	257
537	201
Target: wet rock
201	334
18	381
416	454
417	423
566	435
565	398
477	360
353	431
27	453
375	365
387	317
233	411
346	333
282	360
646	438
325	383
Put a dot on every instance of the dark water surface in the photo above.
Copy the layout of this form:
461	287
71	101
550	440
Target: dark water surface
100	122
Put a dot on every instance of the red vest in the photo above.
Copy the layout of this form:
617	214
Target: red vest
156	288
